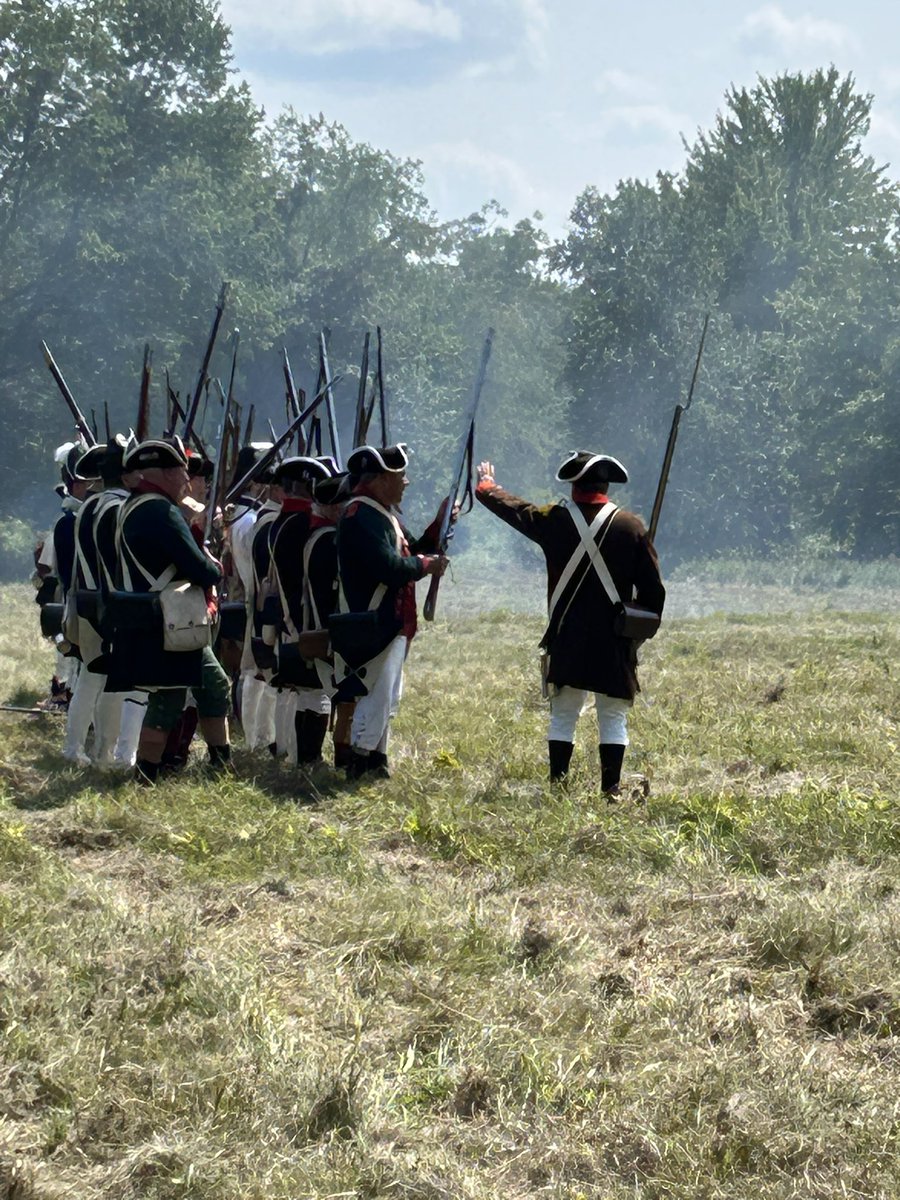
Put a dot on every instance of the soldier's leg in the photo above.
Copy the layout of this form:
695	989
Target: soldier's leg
565	709
107	722
612	723
134	709
371	719
285	731
164	710
343	720
213	696
81	716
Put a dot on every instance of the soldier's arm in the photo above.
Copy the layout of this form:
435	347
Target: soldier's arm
649	589
368	538
524	517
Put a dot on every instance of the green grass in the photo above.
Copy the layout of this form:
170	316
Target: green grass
460	983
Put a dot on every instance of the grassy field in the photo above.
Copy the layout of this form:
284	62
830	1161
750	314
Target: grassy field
459	983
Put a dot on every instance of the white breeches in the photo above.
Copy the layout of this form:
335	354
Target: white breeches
258	702
567	705
373	712
285	730
313	700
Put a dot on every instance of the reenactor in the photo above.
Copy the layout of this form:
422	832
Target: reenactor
320	599
57	558
592	549
302	701
256	698
166	654
115	739
379	565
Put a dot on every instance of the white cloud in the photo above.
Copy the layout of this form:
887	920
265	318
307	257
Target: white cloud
536	29
498	177
770	28
625	84
642	121
330	26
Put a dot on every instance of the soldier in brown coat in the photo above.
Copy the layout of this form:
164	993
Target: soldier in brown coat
585	654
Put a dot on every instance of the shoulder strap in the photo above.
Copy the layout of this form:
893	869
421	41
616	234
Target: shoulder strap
587	544
312	618
595	556
385	512
157	582
81	563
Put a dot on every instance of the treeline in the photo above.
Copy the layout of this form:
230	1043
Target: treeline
135	175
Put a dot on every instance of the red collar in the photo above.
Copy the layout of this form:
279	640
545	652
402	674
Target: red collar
294	504
144	487
583	496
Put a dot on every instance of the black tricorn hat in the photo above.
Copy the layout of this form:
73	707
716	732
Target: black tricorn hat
156	452
249	456
373	460
89	464
332	489
582	466
301	469
103	460
199	466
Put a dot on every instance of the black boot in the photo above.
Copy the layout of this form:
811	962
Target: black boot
560	757
611	758
219	760
378	765
146	773
358	765
311	738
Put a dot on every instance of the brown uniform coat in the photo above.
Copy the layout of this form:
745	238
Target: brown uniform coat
585	652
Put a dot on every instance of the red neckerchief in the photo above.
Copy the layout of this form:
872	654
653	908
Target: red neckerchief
294	504
583	496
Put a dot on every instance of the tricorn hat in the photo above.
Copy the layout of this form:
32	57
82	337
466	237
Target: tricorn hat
582	466
249	456
373	460
331	490
199	466
156	452
301	469
89	464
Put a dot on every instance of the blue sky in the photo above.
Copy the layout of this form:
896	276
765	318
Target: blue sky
529	101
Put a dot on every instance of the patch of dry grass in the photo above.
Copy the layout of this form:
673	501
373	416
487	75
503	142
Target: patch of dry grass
461	983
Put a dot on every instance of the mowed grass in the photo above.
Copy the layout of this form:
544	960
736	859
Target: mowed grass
460	983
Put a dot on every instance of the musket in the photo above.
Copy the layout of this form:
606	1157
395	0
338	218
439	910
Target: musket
235	342
77	415
290	388
248	432
680	410
177	414
325	376
382	401
462	470
266	460
359	429
142	426
33	712
204	366
218	472
106	421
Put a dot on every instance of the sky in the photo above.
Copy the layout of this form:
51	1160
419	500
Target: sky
527	102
